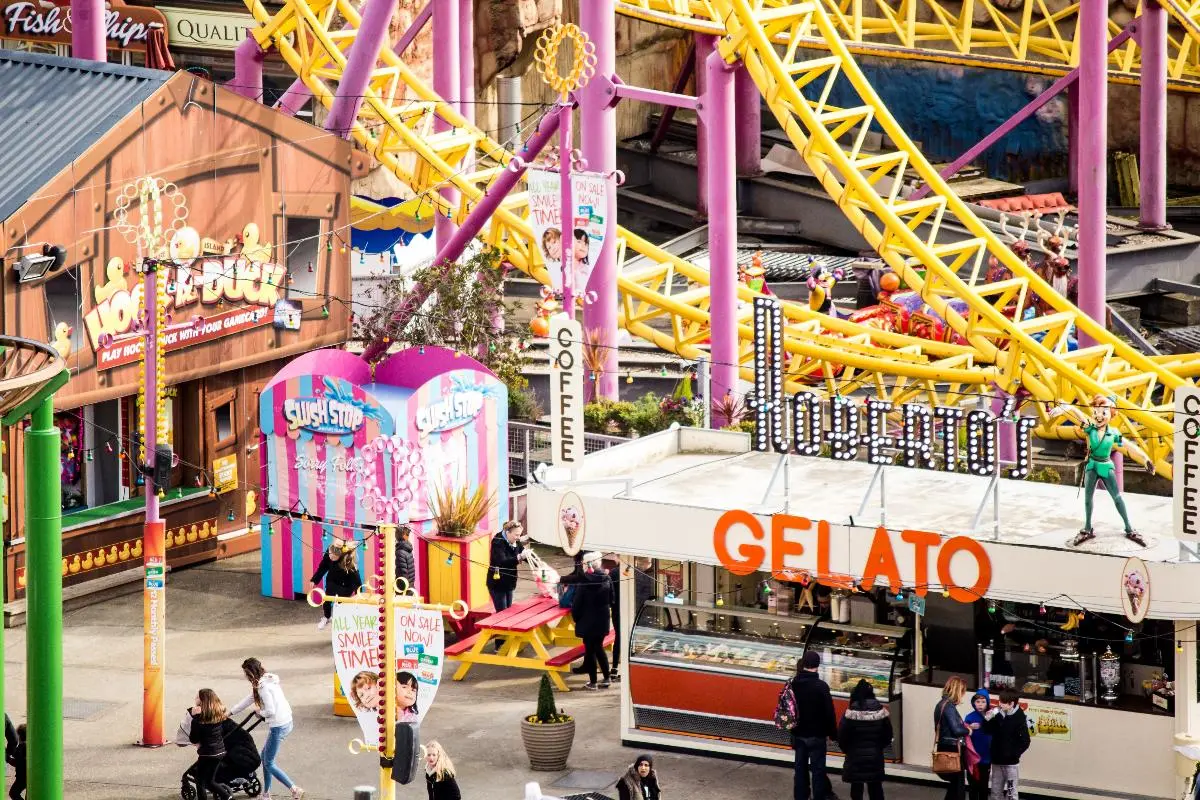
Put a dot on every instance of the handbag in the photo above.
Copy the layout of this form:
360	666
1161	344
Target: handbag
943	763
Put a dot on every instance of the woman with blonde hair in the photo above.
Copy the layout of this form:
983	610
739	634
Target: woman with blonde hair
207	715
950	731
439	774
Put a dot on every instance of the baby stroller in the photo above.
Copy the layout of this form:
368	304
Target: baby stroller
239	768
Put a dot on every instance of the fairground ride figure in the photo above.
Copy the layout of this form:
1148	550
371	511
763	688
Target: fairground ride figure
754	275
1055	270
821	280
997	272
1102	440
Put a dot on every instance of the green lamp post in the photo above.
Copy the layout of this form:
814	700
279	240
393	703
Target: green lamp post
30	373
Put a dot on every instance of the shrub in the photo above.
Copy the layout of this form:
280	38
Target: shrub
547	714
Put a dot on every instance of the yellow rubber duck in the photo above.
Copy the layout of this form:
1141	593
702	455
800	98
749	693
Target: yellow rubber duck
124	554
62	339
204	531
252	249
180	537
185	244
74	565
137	549
66	570
112	555
193	534
87	561
251	504
101	558
21	575
116	280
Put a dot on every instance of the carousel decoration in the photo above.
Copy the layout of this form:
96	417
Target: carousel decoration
821	280
544	310
754	275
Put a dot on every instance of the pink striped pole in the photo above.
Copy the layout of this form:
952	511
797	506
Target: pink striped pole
466	58
704	48
364	54
1152	159
718	106
447	85
598	135
566	201
1093	160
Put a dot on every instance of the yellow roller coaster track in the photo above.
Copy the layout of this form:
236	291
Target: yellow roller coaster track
834	355
1036	36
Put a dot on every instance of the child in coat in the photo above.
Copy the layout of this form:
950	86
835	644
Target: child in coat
1010	739
979	776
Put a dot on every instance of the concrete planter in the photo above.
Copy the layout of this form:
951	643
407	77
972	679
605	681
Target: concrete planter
548	745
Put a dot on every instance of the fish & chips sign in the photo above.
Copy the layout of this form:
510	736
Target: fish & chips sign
125	27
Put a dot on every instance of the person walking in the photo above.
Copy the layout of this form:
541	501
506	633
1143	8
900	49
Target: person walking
978	776
266	695
406	564
1010	739
640	781
864	733
340	572
591	609
614	578
507	549
816	723
949	731
16	756
439	774
208	714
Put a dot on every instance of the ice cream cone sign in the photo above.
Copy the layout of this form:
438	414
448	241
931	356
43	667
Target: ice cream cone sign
572	524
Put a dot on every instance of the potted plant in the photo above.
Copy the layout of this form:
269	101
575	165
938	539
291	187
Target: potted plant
458	512
548	734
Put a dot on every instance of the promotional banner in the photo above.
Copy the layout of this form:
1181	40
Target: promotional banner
154	619
588	225
566	392
420	644
1048	722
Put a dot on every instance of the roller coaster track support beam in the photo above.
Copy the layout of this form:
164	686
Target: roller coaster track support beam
482	211
749	125
598	132
718	109
447	85
704	46
1068	82
248	69
1152	161
466	59
686	71
88	30
364	53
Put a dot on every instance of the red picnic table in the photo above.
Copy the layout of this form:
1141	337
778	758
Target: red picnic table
537	624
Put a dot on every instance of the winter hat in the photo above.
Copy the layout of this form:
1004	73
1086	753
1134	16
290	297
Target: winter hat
981	693
811	660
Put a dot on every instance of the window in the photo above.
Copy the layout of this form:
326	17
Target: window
223	416
303	248
64	310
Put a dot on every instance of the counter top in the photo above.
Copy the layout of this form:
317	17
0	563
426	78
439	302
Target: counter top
1127	702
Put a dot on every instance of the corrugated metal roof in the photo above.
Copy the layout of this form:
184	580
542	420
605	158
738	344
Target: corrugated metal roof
55	109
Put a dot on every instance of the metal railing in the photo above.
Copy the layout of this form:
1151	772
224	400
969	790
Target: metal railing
529	445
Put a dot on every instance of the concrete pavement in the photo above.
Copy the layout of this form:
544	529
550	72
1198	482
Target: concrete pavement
216	617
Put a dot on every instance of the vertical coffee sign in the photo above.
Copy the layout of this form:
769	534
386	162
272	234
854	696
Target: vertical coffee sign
566	392
1187	464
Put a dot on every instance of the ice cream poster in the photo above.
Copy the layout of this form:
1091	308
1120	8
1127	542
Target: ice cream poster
585	235
572	527
420	644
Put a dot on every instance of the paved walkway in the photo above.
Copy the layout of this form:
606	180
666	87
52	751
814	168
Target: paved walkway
216	617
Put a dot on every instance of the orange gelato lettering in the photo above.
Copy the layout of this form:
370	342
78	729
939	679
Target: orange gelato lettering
781	546
921	542
881	561
751	555
946	555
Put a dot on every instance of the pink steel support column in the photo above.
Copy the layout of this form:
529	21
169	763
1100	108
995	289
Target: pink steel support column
598	140
567	204
87	30
466	58
1073	137
1006	432
364	54
749	124
1093	160
704	48
248	69
718	106
1152	160
446	84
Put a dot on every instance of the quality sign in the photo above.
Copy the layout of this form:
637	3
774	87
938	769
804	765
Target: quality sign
1187	464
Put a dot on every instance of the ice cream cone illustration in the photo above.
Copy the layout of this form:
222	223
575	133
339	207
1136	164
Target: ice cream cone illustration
572	523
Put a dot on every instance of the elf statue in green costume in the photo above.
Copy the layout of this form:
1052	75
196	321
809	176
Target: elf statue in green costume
1102	440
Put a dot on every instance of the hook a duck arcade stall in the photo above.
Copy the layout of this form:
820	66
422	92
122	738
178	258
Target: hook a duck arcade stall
729	576
435	424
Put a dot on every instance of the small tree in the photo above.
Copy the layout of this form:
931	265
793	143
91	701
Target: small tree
546	711
459	305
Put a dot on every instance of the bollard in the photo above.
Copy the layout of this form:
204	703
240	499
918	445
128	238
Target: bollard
364	793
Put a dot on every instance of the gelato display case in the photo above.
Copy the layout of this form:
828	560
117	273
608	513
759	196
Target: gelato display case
717	672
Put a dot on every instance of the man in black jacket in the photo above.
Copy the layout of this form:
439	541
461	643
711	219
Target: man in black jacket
507	549
815	724
590	609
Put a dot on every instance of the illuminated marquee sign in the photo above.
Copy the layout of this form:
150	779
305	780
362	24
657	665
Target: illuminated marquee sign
928	437
451	412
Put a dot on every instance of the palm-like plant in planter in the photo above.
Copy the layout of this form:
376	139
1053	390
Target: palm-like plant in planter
548	734
458	512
